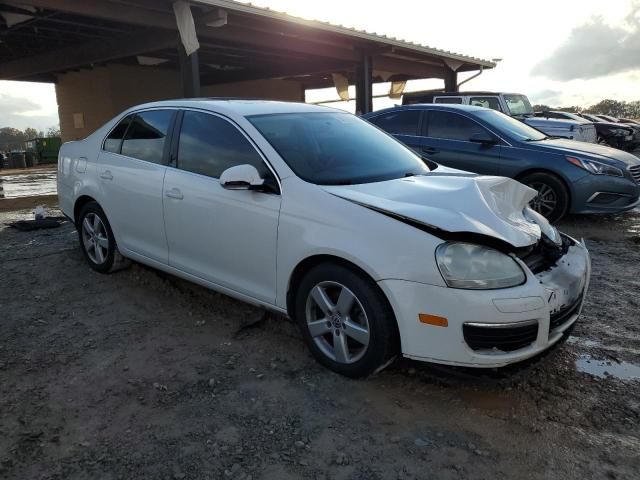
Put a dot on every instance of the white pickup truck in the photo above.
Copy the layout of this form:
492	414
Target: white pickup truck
513	104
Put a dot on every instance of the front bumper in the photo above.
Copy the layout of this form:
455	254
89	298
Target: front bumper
604	194
551	301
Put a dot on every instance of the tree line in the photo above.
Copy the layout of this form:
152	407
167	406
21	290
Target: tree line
13	138
614	108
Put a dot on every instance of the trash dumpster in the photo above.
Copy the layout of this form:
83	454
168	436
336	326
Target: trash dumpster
45	149
30	159
18	160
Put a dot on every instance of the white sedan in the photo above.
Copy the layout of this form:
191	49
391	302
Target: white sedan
318	215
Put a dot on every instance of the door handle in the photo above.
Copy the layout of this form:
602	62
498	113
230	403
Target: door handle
174	193
106	175
430	150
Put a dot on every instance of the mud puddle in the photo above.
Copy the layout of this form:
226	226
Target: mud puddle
607	368
29	184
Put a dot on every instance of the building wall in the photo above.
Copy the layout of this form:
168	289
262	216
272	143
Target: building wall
97	95
287	90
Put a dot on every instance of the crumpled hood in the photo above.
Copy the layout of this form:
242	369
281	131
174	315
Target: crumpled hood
483	205
587	150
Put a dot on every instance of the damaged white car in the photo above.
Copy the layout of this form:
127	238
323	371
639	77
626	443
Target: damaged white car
318	215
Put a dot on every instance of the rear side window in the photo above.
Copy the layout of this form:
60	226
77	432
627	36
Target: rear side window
209	145
145	138
455	100
451	126
403	122
487	102
114	141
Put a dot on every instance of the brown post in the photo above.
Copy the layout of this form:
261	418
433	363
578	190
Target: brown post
364	85
450	80
189	73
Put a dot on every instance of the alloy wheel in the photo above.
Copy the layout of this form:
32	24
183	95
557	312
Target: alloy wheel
337	322
95	238
546	201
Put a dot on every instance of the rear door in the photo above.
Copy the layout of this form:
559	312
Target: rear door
131	171
446	140
227	237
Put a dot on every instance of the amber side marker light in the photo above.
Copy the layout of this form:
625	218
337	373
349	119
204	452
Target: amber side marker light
433	320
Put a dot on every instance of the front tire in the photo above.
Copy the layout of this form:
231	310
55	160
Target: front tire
553	197
97	242
345	320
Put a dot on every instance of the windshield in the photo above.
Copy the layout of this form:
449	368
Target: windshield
572	116
592	118
328	148
510	127
518	105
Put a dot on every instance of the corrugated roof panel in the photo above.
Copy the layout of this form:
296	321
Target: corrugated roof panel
350	31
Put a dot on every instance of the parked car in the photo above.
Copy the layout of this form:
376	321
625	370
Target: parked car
569	176
614	134
629	121
633	125
513	104
316	214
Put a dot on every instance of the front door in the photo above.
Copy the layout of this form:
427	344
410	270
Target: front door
227	237
446	140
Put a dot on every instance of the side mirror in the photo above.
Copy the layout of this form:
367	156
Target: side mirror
241	177
485	138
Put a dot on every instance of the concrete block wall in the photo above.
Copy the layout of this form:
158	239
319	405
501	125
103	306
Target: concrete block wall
97	95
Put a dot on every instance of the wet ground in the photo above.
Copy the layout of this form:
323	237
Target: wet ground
27	183
140	375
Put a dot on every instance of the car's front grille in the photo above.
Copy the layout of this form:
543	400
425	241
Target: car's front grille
503	337
561	317
635	172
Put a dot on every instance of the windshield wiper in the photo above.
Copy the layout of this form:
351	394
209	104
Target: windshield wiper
338	182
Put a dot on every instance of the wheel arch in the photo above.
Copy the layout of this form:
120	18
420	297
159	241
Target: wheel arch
80	202
305	265
546	171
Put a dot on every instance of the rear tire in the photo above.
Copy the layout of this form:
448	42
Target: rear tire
345	320
553	197
97	242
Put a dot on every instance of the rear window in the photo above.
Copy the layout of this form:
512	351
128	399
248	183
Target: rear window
404	122
114	141
145	138
450	100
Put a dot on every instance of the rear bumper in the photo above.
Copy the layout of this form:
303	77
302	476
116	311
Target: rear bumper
535	314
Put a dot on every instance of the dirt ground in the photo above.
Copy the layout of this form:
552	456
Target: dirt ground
141	375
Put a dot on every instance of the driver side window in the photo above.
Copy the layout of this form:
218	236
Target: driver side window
451	126
209	145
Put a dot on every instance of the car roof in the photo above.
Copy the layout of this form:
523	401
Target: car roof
460	94
243	107
430	106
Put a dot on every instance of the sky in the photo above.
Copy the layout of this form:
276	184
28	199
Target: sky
558	52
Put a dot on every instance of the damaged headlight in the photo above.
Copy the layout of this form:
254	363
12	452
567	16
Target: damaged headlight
471	266
546	228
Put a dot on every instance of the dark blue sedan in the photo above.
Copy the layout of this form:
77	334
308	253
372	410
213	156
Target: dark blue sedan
570	176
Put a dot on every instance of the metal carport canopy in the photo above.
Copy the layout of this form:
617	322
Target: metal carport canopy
237	42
